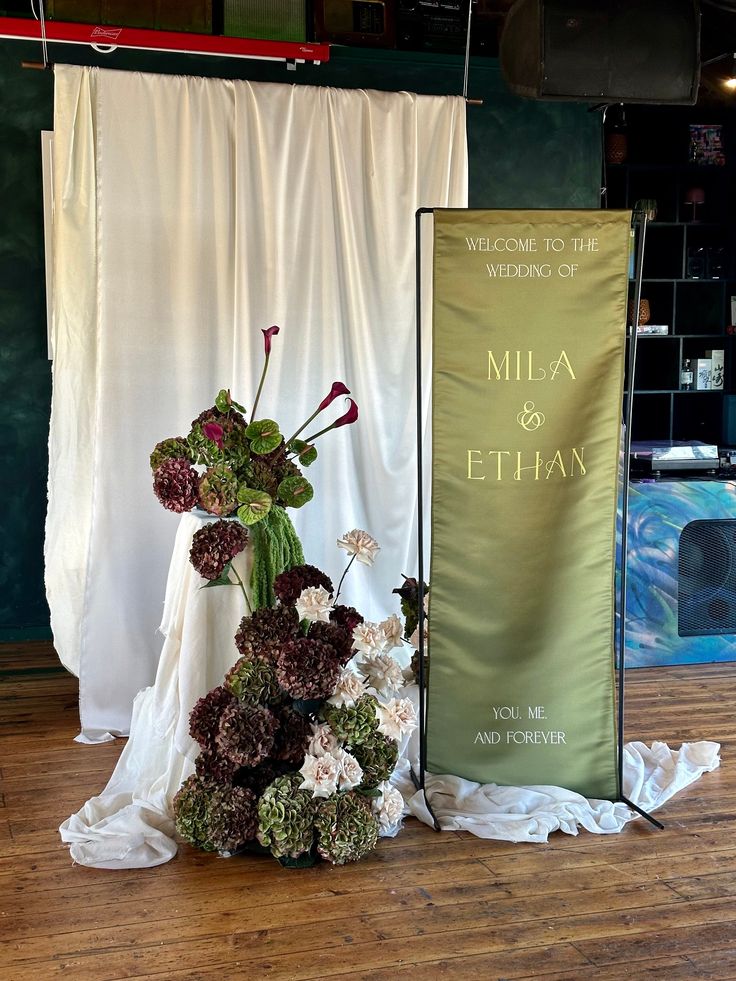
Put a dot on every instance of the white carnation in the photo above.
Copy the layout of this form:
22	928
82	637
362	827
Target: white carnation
388	807
323	740
393	630
360	544
382	672
351	772
321	774
348	690
314	603
368	637
396	718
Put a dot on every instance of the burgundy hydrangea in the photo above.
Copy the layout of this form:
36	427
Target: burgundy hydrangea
337	636
292	738
246	733
216	544
204	719
346	617
307	668
176	484
214	767
233	818
266	630
257	778
289	584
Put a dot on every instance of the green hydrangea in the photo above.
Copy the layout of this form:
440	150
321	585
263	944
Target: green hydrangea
286	817
218	490
253	679
192	812
175	448
352	724
377	755
346	828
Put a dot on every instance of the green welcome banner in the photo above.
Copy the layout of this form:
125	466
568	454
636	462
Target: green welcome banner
529	326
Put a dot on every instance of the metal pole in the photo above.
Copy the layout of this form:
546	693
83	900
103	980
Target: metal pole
640	222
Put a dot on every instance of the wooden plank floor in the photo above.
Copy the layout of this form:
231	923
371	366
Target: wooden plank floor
644	904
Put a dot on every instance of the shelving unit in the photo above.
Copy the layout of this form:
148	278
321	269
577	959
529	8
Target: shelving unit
689	272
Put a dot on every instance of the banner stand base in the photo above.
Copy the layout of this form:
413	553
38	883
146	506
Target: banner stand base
419	784
644	814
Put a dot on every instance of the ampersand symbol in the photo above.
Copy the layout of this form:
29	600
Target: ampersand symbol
529	418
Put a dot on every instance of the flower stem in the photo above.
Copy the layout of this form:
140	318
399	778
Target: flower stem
260	387
242	587
339	585
303	427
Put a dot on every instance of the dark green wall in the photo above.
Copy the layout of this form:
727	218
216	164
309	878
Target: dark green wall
522	154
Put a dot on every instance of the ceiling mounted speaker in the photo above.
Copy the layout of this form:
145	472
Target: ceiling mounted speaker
603	50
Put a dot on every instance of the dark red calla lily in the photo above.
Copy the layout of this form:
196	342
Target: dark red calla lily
267	335
338	389
213	431
350	416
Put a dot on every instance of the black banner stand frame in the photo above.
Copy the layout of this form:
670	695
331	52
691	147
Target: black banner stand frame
639	223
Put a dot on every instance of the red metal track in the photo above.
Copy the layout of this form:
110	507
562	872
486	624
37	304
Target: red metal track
19	28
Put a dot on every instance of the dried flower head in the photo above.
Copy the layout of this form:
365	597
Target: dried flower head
246	733
288	585
286	817
176	484
336	636
293	736
346	617
174	448
253	679
233	818
214	545
192	812
266	630
377	755
218	490
307	668
346	828
204	719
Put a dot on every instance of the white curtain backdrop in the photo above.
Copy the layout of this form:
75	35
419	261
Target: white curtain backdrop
191	213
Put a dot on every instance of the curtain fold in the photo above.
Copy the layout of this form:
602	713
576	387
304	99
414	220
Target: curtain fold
190	214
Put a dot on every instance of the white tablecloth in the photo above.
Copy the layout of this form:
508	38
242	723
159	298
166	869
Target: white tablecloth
130	824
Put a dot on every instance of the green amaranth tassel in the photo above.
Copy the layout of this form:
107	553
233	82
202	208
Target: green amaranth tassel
276	547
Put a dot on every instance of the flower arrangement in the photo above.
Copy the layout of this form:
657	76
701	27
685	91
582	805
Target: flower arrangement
247	470
298	745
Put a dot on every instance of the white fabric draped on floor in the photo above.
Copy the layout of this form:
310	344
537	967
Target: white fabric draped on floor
191	213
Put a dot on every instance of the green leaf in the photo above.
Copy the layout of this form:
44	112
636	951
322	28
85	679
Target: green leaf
295	492
255	505
264	436
222	402
369	792
238	406
305	452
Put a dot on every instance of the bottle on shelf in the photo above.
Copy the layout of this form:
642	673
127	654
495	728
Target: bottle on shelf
686	375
